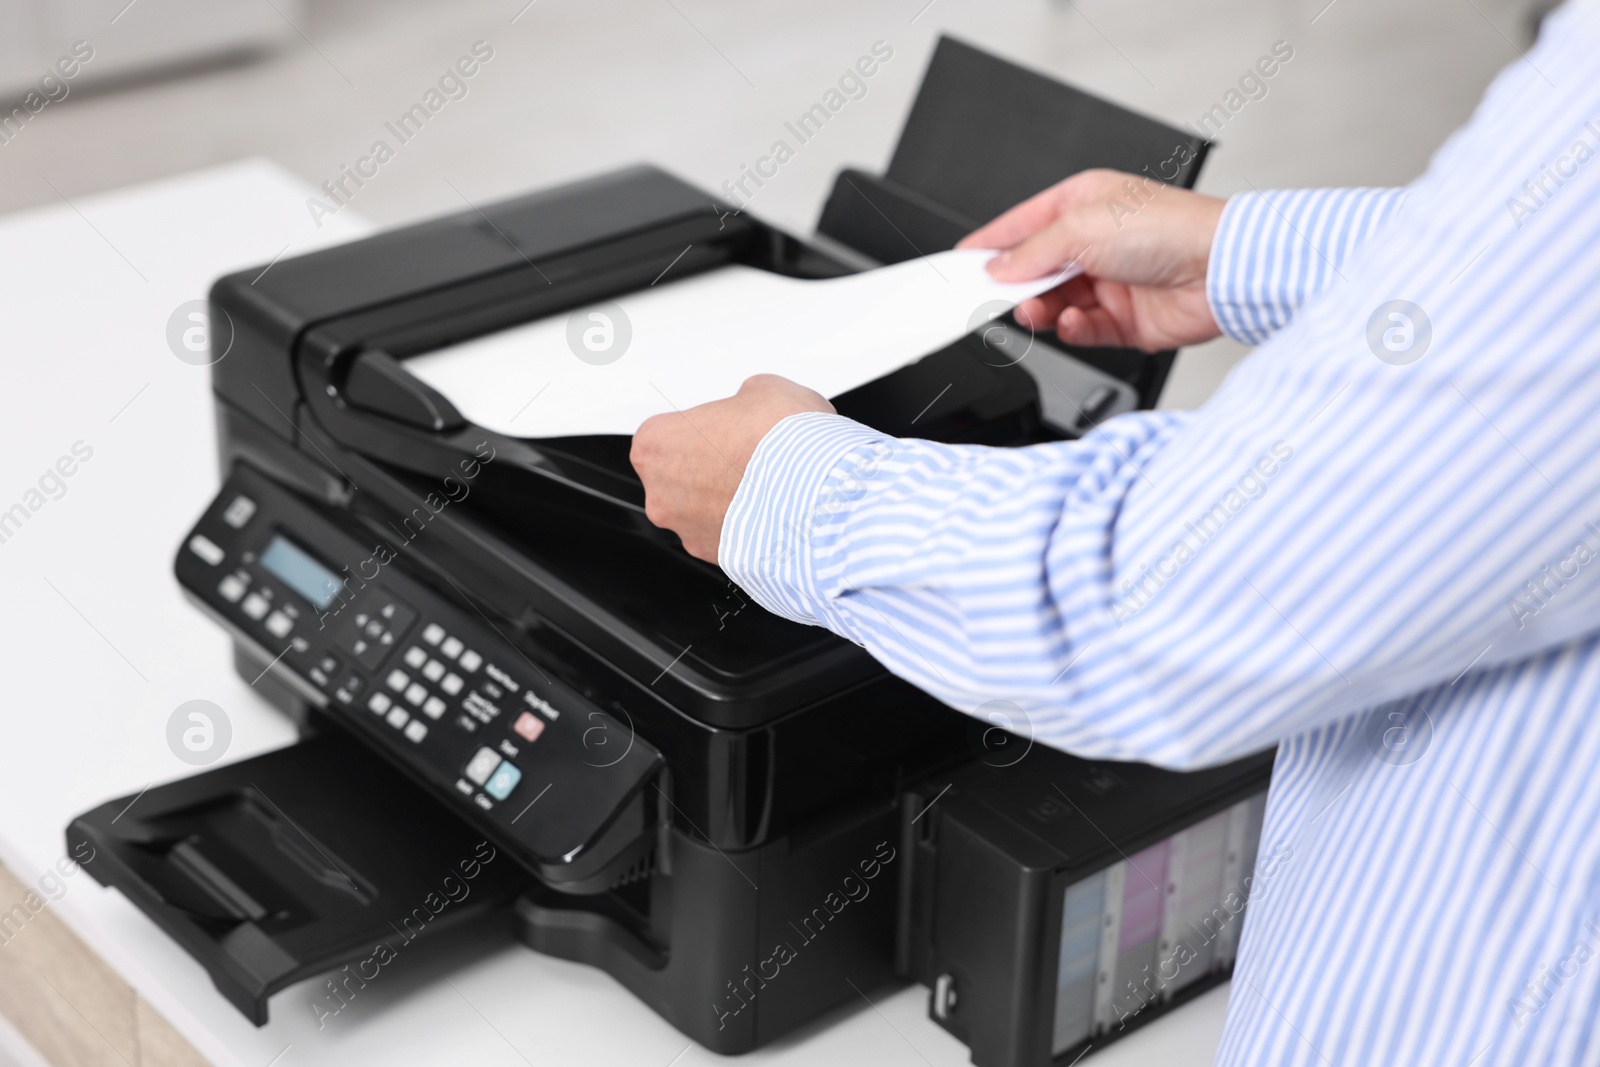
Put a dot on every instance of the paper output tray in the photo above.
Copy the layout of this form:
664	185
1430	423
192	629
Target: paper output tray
280	867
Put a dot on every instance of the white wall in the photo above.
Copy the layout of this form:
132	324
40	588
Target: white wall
128	38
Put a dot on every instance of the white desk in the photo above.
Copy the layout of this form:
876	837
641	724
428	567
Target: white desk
99	648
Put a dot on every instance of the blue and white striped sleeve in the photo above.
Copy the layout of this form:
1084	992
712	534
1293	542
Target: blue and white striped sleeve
1346	522
1274	250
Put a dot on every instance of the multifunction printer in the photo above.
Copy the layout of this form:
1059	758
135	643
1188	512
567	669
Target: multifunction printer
517	698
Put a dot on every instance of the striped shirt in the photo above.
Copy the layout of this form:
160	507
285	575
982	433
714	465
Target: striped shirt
1377	546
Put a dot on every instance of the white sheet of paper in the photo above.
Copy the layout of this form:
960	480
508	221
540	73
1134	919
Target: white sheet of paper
682	343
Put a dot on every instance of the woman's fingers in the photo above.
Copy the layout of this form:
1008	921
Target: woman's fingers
1045	252
1143	284
1082	312
1040	312
1075	324
1090	328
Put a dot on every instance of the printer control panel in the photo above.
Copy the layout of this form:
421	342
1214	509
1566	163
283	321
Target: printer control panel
425	678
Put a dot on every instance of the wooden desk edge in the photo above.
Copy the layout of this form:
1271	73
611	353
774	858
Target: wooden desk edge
68	1002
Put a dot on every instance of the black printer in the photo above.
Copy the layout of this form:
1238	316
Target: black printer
503	674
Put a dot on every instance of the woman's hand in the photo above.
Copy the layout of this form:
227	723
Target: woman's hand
691	461
1143	247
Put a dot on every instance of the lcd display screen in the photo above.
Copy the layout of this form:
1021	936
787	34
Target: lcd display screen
297	569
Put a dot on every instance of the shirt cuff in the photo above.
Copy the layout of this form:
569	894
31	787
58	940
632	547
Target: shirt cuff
804	473
1275	250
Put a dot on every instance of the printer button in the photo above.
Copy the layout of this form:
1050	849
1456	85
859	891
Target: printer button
350	687
397	616
470	661
416	730
380	703
398	717
255	605
239	512
433	707
279	624
207	549
452	684
417	693
398	680
433	671
416	657
451	648
232	588
528	727
483	763
433	633
503	780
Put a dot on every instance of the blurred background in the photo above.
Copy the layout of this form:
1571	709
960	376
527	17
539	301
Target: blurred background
704	86
101	94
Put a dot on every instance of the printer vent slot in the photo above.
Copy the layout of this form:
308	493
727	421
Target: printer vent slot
642	868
